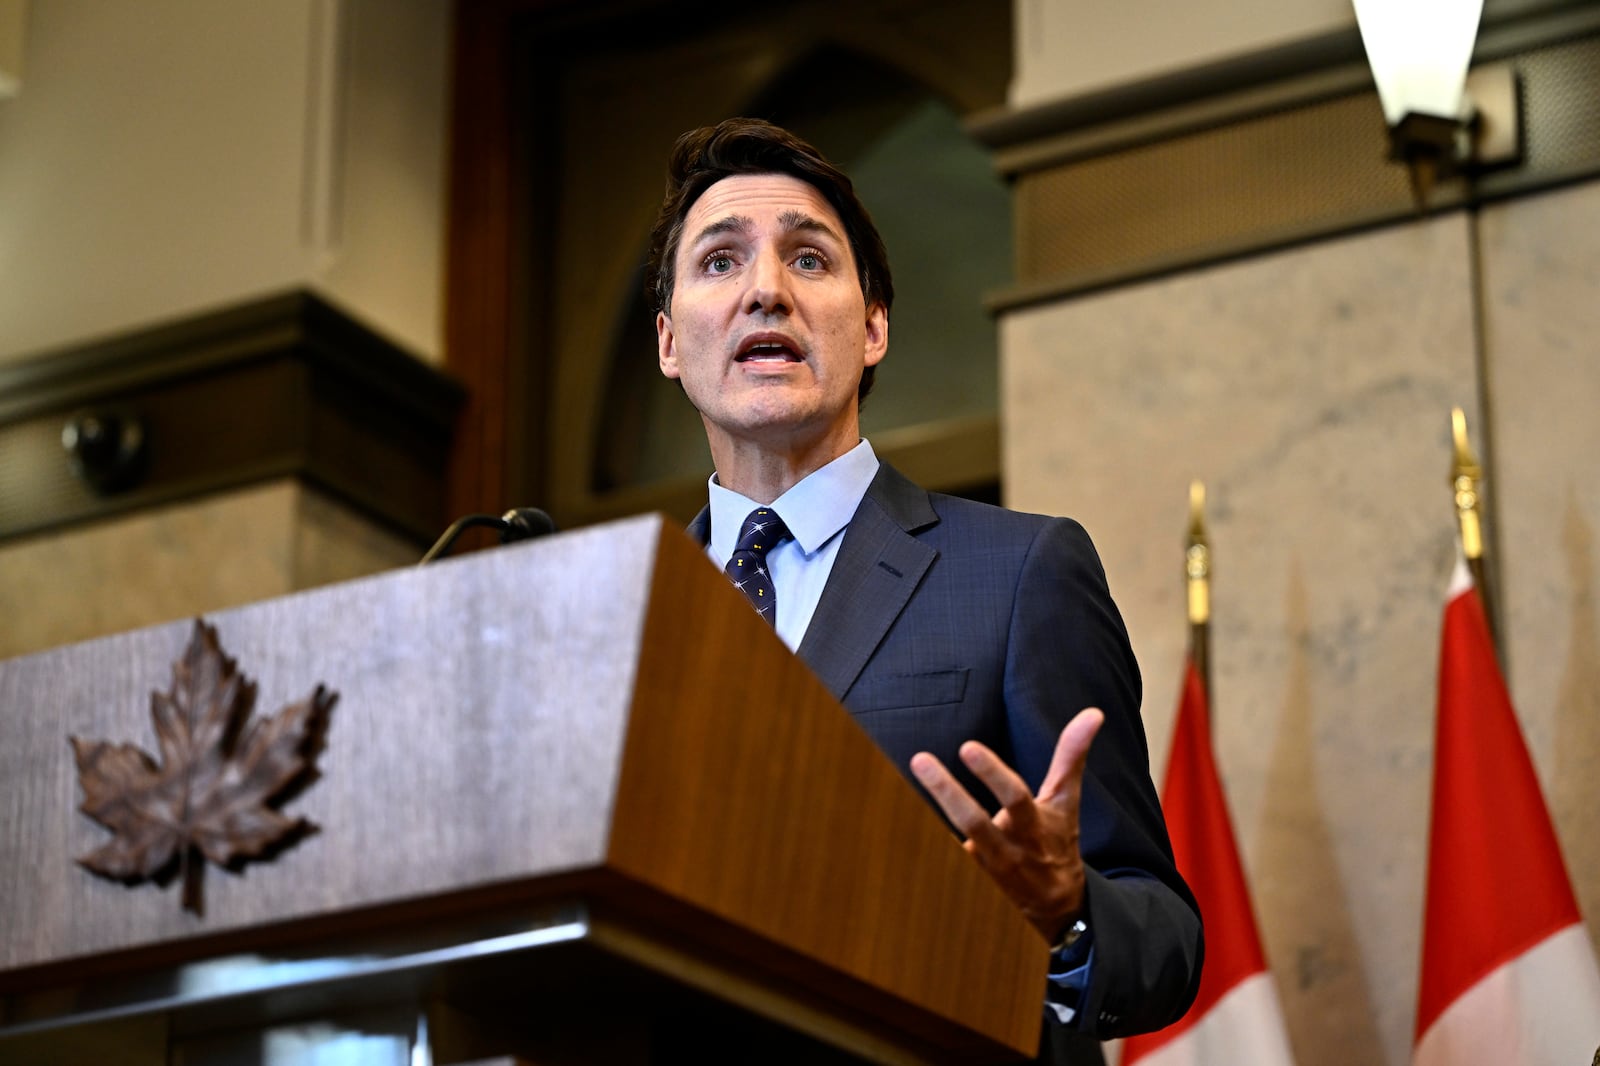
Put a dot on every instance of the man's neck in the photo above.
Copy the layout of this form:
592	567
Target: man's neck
764	470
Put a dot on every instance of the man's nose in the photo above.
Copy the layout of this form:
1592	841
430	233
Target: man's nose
769	285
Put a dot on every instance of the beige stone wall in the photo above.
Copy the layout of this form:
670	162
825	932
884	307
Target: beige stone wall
1069	47
1541	266
157	565
167	157
1310	389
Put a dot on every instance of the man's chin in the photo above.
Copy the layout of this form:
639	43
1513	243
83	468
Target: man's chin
766	409
781	426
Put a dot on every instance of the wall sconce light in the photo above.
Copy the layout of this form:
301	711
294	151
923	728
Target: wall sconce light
1442	123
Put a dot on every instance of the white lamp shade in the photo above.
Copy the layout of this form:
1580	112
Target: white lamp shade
1419	51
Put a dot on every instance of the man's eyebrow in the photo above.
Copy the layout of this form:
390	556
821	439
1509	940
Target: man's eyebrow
800	222
726	224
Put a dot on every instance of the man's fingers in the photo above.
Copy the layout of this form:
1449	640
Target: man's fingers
964	812
1002	781
1072	752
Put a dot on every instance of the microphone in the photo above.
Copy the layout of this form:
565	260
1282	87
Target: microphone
519	523
525	523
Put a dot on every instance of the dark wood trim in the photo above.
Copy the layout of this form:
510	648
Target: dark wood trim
1049	290
480	252
494	284
286	386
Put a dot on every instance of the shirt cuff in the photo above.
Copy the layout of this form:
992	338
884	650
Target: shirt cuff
1069	975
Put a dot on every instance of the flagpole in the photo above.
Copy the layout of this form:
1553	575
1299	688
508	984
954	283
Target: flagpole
1508	972
1197	575
1236	1016
1466	474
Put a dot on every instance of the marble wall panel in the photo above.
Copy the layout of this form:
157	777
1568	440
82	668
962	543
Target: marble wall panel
334	543
187	558
1310	389
1541	279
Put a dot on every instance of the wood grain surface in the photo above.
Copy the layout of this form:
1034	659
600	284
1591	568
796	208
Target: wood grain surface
747	791
476	739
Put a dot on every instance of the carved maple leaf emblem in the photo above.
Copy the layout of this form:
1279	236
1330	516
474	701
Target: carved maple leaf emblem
220	775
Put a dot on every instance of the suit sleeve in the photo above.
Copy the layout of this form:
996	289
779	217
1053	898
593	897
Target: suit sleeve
1068	649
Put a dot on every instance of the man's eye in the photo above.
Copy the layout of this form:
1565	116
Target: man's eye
719	263
809	261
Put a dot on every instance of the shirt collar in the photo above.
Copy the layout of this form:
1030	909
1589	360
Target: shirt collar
814	509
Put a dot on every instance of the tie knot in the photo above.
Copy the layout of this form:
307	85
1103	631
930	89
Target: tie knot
762	530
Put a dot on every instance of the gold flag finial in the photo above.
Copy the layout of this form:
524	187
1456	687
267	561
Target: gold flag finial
1197	575
1197	557
1465	474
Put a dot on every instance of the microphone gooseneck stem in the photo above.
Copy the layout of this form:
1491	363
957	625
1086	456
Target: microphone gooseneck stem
458	527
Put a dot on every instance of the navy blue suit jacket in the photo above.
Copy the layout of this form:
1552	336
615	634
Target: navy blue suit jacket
945	620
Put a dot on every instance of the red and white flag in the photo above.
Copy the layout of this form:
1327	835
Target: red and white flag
1235	1017
1508	971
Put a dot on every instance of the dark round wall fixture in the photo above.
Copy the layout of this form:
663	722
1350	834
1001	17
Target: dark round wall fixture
106	448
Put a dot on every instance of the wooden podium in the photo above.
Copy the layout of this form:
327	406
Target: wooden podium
575	804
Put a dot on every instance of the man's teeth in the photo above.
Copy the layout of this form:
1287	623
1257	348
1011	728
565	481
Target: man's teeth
768	351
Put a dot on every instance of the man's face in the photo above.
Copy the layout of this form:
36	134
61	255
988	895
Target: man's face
768	330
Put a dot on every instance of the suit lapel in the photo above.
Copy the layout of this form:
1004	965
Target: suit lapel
878	567
700	528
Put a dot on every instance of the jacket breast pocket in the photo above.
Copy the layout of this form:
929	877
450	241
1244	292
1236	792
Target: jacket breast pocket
891	691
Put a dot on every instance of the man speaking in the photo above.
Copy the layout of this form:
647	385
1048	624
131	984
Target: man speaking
979	647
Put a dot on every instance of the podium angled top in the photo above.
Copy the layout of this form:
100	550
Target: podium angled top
596	715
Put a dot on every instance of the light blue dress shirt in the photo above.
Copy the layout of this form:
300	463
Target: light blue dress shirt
816	510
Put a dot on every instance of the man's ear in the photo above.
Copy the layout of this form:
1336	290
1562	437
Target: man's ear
877	334
666	350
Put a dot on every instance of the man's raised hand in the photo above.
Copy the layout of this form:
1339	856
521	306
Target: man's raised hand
1030	846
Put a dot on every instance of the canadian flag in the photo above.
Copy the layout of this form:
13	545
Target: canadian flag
1235	1018
1508	972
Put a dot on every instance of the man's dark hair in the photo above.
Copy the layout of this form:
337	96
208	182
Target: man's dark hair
705	156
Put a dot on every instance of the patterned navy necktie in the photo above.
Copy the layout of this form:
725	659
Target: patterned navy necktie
747	568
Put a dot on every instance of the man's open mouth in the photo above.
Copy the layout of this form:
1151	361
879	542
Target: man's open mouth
768	351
